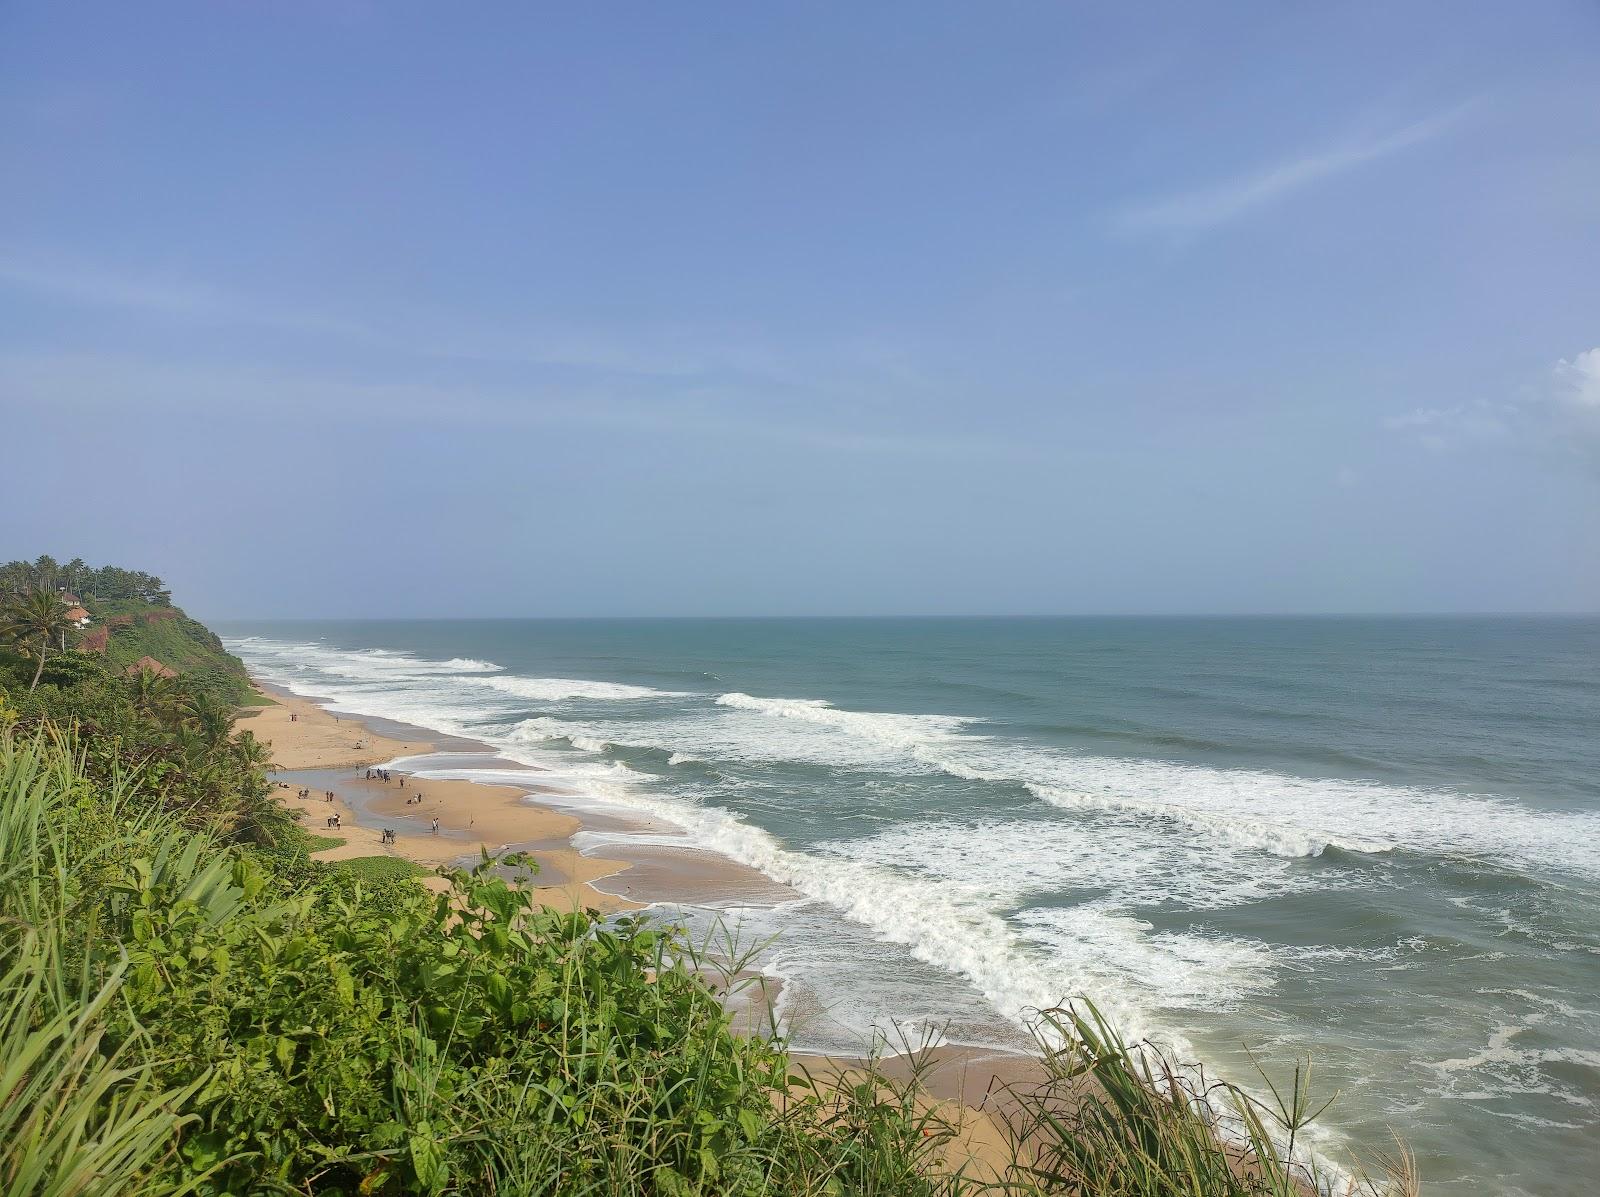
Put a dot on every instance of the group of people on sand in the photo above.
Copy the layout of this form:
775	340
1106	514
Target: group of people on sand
415	798
327	795
388	832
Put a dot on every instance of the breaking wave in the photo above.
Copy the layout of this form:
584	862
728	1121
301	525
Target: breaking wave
558	689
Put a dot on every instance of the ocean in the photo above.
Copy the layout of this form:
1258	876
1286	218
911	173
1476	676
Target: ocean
1373	842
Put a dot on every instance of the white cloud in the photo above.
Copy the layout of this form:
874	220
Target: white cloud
1580	380
1219	203
1559	417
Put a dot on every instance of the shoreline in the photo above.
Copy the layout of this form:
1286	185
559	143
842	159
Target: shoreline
324	751
317	751
320	751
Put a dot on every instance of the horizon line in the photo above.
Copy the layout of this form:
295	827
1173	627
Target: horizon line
1419	614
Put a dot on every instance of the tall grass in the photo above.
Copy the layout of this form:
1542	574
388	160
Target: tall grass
76	1116
1110	1119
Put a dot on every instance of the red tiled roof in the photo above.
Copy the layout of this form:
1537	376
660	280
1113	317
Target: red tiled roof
150	665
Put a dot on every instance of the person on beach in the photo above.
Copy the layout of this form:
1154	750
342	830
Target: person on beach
436	825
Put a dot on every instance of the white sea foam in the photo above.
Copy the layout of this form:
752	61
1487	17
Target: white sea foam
1097	939
557	689
900	731
940	924
376	664
1012	862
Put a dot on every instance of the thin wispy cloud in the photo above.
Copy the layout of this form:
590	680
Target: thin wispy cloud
82	286
88	384
166	296
670	352
1219	203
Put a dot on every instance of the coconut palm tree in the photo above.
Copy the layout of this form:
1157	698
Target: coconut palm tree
213	725
153	694
47	573
32	623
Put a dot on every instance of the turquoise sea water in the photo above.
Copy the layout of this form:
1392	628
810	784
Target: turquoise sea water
1376	841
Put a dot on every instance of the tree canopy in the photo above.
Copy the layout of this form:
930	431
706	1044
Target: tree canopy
107	582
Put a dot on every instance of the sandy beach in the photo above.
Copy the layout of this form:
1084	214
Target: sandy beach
317	750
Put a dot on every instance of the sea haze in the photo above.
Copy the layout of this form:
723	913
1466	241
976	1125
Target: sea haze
1376	841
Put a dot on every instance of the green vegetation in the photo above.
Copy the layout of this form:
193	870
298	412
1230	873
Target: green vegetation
377	868
318	1037
190	1004
32	623
107	583
131	618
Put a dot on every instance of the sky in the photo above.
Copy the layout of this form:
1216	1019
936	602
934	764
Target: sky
340	309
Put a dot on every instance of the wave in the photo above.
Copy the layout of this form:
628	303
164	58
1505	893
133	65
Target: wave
1278	814
897	730
942	925
1278	840
374	664
1274	814
1019	862
558	689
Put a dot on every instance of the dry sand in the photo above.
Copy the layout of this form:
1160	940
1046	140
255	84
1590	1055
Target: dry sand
304	736
472	818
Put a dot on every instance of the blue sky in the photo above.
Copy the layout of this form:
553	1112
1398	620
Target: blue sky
340	309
